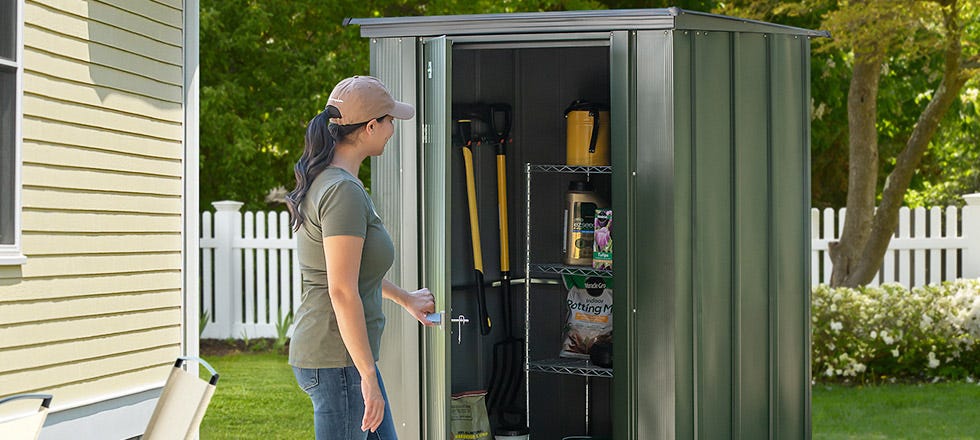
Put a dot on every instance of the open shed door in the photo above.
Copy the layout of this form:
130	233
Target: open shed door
436	226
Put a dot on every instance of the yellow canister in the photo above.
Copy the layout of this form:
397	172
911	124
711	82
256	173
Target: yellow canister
587	134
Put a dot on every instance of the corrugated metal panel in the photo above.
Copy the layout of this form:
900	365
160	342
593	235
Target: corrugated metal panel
712	207
789	268
651	274
686	362
394	187
627	407
436	224
735	200
751	217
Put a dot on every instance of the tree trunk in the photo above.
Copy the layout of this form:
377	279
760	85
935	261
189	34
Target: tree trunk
858	255
862	177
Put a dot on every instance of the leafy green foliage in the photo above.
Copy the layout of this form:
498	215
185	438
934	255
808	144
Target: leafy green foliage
267	67
909	37
952	167
872	333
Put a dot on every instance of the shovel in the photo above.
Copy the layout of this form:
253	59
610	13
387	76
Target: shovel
508	354
484	318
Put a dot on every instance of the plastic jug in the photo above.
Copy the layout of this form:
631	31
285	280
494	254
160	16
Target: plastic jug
587	134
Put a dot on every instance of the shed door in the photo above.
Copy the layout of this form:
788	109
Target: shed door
435	194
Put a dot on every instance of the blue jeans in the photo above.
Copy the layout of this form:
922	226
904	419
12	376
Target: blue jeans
338	406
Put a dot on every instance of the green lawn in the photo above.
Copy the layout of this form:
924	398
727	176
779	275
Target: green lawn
257	398
931	411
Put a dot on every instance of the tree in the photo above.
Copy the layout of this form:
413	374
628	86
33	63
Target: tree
267	68
876	31
906	62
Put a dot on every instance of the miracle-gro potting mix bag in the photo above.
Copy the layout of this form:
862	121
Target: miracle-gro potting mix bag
589	307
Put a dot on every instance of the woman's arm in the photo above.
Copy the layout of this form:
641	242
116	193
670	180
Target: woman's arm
418	303
343	257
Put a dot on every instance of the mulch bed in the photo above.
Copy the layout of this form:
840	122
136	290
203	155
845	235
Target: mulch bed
224	347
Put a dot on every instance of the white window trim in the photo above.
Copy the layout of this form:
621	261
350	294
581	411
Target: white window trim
12	254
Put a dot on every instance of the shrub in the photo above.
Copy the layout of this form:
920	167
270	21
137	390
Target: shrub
889	332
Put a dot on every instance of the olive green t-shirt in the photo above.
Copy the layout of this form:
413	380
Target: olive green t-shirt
337	204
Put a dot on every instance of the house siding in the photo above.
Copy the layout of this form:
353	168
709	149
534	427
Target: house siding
96	311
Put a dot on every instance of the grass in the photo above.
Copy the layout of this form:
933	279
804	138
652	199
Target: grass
257	398
917	411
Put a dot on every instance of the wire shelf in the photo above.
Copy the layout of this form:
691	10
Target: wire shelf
568	169
561	269
577	367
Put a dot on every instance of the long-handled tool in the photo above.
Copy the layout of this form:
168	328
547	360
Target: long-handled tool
484	317
508	354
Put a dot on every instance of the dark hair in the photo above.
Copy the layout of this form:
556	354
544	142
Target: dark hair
322	137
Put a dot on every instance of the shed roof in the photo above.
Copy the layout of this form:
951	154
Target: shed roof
567	21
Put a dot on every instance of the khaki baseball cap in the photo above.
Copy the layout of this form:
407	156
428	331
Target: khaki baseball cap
363	98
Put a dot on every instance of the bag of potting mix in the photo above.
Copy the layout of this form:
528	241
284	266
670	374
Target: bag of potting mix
468	412
589	320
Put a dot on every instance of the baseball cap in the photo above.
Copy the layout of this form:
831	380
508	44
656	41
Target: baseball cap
363	98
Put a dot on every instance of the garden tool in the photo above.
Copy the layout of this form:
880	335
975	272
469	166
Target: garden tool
508	354
465	127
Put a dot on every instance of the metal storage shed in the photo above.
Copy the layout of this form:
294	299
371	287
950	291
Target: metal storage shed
709	185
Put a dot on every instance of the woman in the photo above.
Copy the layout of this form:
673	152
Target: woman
344	252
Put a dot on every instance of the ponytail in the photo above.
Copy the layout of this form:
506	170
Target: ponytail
321	141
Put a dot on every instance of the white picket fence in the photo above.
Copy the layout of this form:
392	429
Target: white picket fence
930	245
250	278
249	273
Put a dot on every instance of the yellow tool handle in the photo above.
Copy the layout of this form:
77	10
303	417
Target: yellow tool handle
471	200
502	210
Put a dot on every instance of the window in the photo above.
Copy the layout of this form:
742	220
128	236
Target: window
10	74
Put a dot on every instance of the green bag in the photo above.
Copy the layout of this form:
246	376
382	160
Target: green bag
469	416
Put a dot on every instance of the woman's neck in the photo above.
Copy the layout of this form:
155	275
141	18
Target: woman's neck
347	158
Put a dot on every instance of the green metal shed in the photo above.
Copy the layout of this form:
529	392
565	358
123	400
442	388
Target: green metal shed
709	185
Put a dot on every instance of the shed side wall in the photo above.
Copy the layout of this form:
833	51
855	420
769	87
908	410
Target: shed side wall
740	152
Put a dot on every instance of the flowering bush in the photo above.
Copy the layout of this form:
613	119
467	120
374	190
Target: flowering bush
889	332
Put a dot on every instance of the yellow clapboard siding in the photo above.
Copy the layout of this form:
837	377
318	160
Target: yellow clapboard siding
108	386
80	28
22	313
152	10
38	356
98	180
69	156
100	54
51	377
80	200
169	32
38	84
75	244
46	130
97	222
57	331
77	114
107	77
56	266
60	287
10	273
176	4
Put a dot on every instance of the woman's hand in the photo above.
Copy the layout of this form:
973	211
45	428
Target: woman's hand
374	403
420	303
